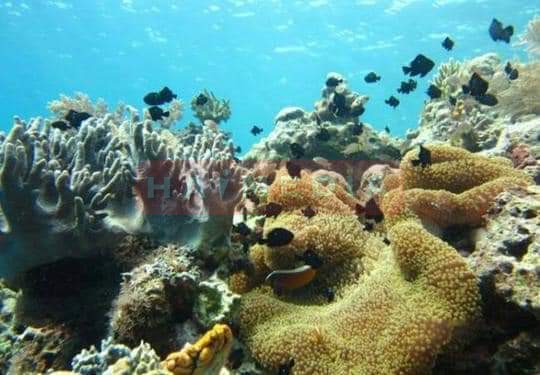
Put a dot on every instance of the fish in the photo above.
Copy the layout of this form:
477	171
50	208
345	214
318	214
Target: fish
285	368
448	44
511	72
421	65
242	229
291	279
372	77
434	92
201	100
359	209
308	212
387	129
165	95
333	82
252	197
338	106
386	241
293	169
323	135
255	130
477	87
272	209
368	225
392	101
235	358
424	157
330	294
498	32
407	86
76	118
238	149
487	99
297	151
157	113
372	210
278	237
311	259
452	100
60	124
357	129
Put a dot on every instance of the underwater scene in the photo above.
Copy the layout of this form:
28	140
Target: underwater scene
270	187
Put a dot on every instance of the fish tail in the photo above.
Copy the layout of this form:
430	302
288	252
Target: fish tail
406	70
166	113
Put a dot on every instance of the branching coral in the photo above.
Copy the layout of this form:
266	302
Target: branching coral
395	315
207	356
457	188
211	108
449	77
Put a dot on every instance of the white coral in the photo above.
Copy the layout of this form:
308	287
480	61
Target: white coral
531	37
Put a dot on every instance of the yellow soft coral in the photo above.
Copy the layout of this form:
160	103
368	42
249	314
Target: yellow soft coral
403	307
206	357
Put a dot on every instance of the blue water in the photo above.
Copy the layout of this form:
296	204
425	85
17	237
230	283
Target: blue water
262	55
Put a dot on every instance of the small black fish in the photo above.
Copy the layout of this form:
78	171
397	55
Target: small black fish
407	86
308	212
511	72
487	99
452	100
201	100
238	149
60	124
477	86
421	65
293	169
272	209
359	209
372	77
424	157
152	98
323	135
167	95
157	113
448	44
372	210
387	129
333	82
357	129
434	92
76	118
498	32
339	105
242	229
278	237
255	130
253	197
311	259
236	358
368	225
386	241
285	368
330	294
297	151
392	101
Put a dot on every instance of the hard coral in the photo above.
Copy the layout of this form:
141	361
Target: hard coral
212	109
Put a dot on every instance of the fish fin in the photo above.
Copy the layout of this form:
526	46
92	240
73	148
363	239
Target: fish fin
509	30
466	89
406	69
415	162
166	114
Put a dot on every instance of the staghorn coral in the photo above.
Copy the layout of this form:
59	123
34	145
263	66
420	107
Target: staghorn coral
214	109
394	314
207	356
457	188
531	37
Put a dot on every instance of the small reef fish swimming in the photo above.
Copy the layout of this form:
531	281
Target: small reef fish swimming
255	130
157	113
333	82
498	32
452	100
372	211
293	169
392	101
323	135
76	118
291	279
448	44
357	129
297	151
308	212
338	105
277	237
272	209
242	229
285	368
511	72
60	124
372	77
159	98
424	157
421	65
407	86
477	88
201	100
387	129
238	149
434	92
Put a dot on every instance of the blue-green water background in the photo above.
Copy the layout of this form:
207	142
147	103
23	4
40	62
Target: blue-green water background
262	55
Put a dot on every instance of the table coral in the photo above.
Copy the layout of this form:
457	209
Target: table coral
405	305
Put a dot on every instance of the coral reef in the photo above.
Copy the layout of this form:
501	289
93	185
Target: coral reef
211	108
531	37
395	314
214	303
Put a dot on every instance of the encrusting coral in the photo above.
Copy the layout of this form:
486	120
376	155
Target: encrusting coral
401	308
